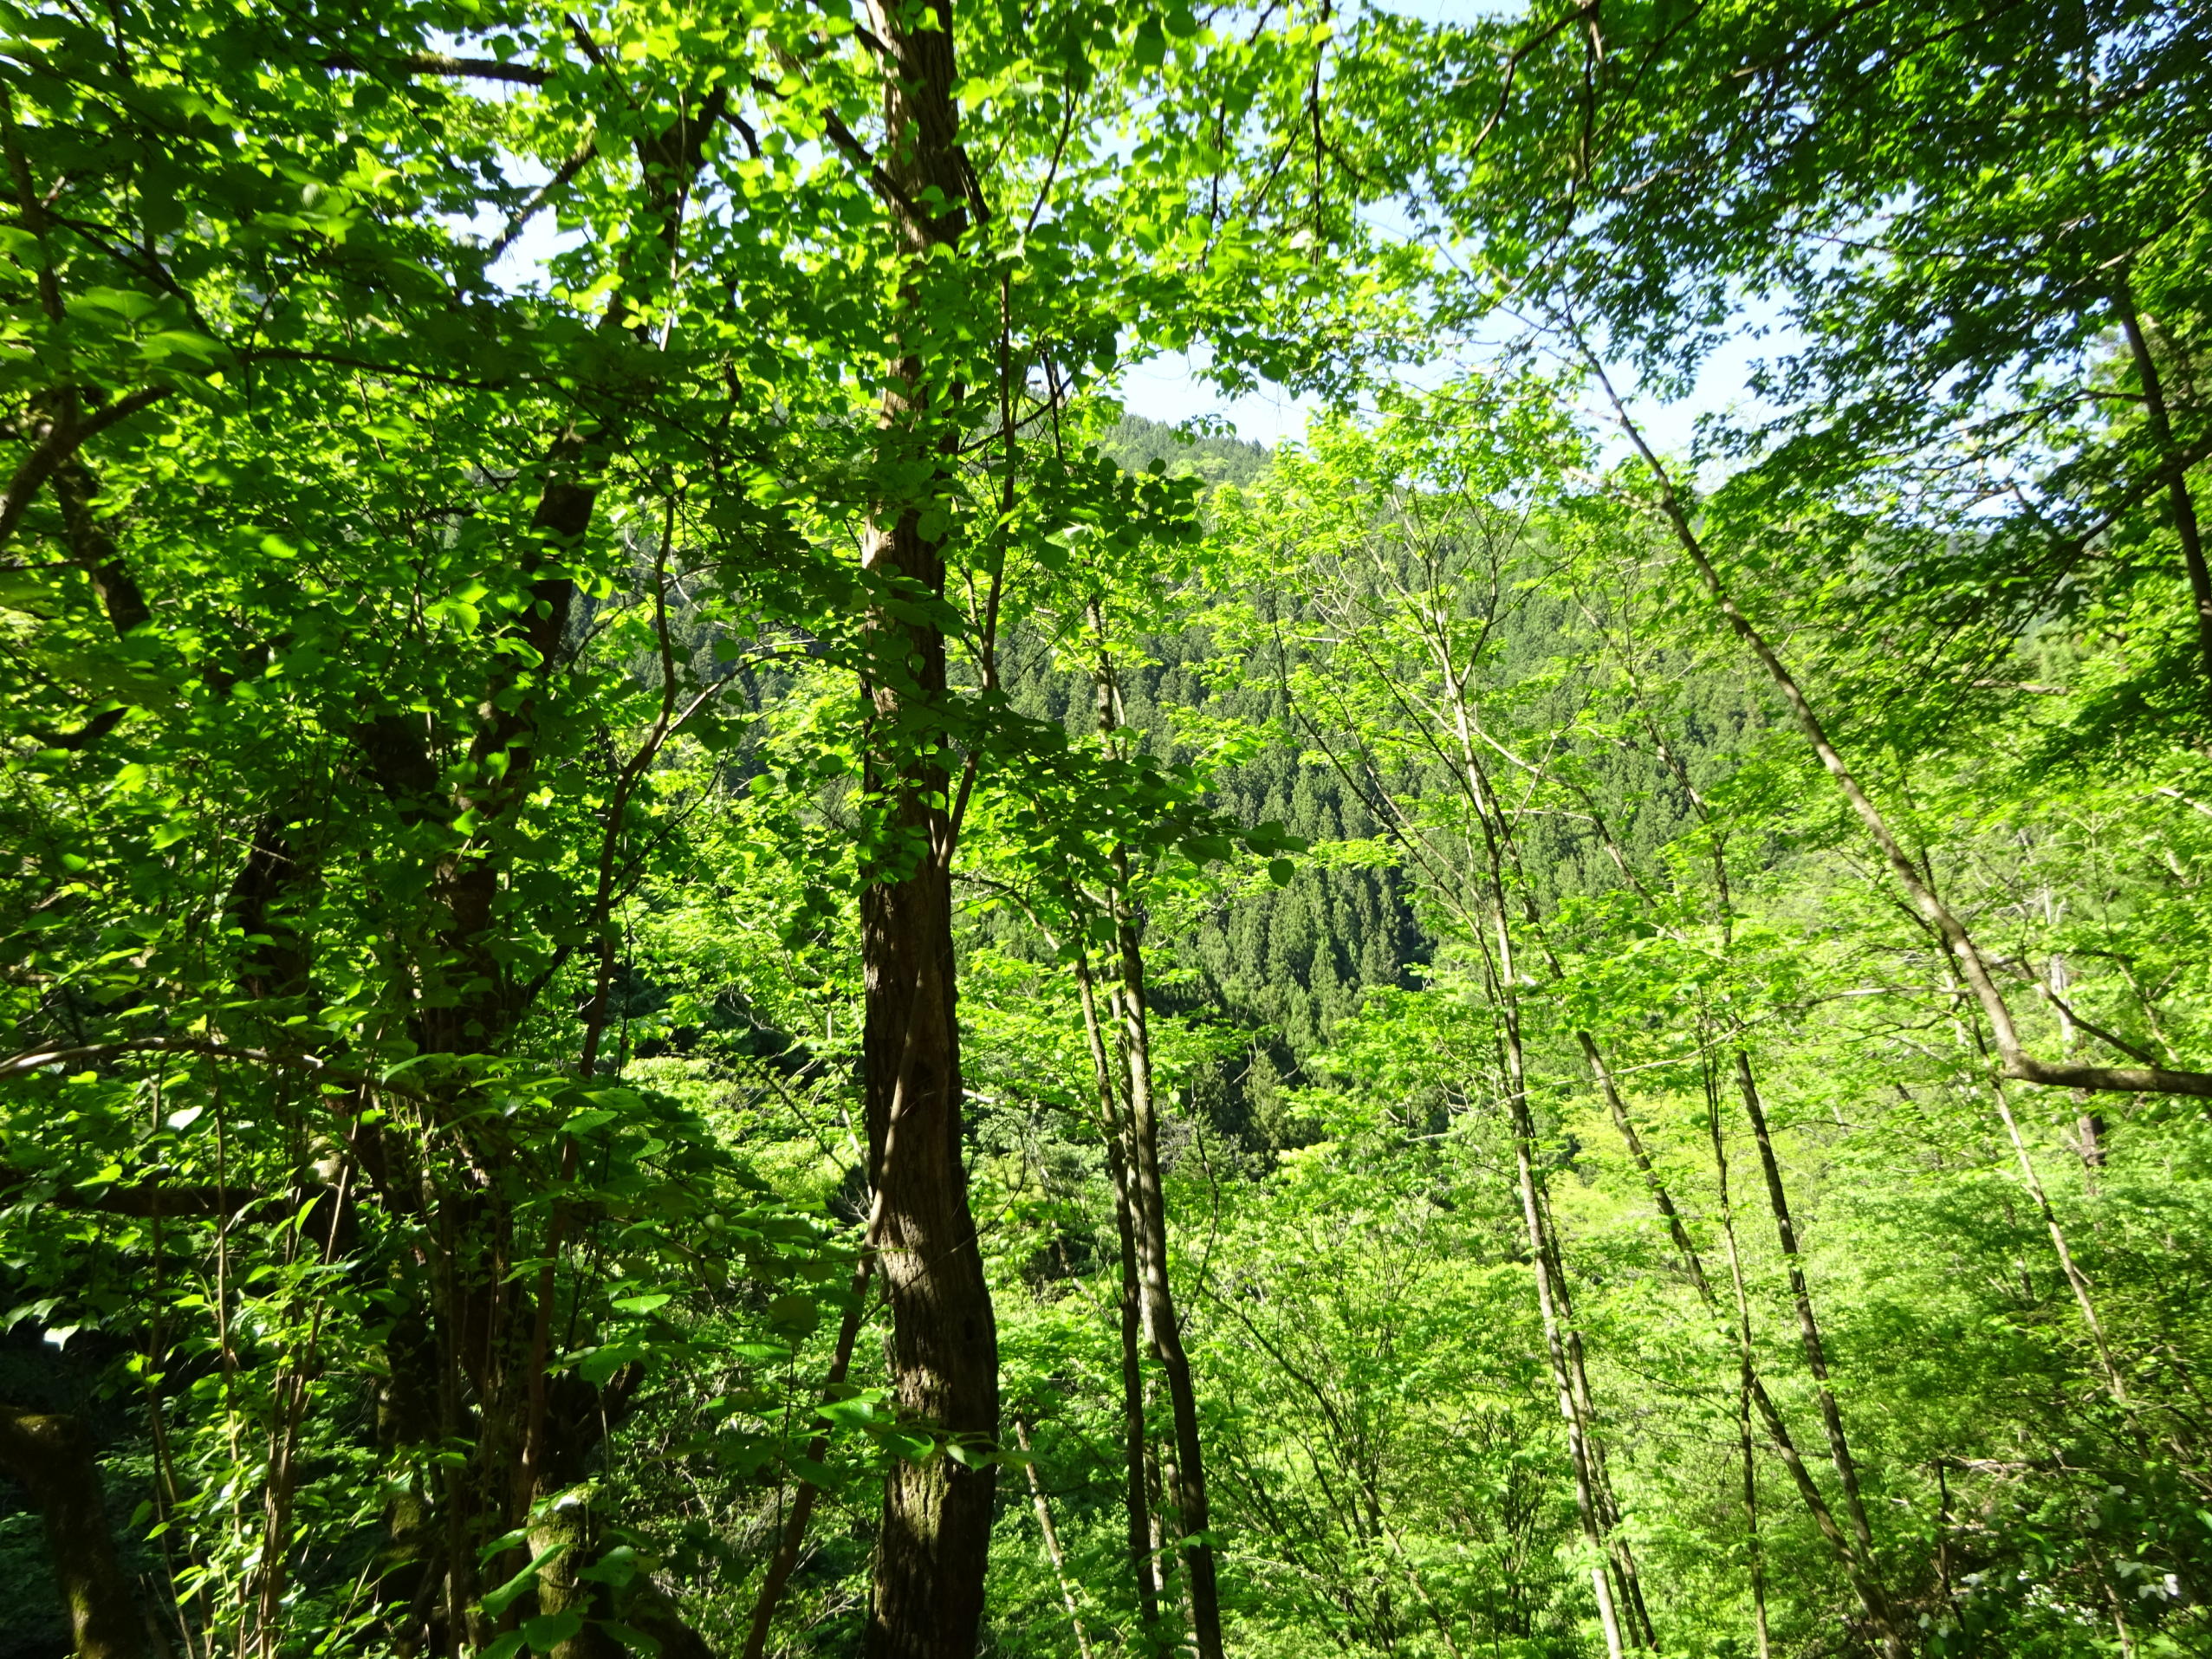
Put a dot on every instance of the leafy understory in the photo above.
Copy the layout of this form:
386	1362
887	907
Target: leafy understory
701	957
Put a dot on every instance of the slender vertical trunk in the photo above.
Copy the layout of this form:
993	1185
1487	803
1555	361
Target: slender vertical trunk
1544	1258
1156	1505
1816	1359
2076	1280
1628	1583
1136	1506
1524	1136
1746	1376
1808	1325
294	1382
2119	1617
794	1535
1754	1389
1051	1535
1162	1328
1858	1566
2089	1143
1562	1342
1661	1198
935	1538
1754	1550
2174	465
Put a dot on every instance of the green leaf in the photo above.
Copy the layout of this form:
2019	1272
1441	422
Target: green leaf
616	1568
507	1594
28	592
546	1633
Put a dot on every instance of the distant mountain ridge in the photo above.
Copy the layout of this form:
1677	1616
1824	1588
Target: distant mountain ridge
1136	443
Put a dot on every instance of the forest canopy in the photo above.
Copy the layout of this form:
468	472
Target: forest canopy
702	958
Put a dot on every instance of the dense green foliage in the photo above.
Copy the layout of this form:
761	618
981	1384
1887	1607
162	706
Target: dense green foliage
1559	1047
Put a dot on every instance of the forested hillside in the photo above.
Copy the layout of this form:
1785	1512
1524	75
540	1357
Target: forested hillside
702	958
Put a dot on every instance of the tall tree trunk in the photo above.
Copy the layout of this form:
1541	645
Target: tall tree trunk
484	1318
1747	1380
1816	1356
2011	1053
1628	1582
1562	1342
2173	465
1754	1388
1543	1258
935	1538
51	1456
1754	1548
1162	1328
1132	1315
1051	1535
1857	1562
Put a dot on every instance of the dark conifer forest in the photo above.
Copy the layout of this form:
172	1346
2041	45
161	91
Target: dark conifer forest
704	954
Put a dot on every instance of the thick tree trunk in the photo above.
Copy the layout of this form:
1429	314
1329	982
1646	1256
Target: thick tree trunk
52	1456
935	1540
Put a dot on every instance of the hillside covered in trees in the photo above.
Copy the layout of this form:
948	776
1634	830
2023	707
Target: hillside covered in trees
702	958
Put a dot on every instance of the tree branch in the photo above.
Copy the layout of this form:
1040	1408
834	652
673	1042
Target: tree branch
437	64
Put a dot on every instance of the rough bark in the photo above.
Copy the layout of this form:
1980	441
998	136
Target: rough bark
937	1514
493	1386
935	1536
